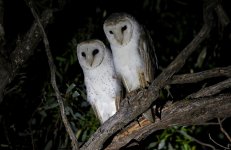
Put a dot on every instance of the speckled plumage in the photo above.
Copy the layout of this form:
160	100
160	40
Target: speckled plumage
133	50
103	87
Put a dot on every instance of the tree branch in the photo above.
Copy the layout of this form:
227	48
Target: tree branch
199	76
226	148
53	81
223	130
196	140
212	90
223	17
183	112
140	102
23	50
30	41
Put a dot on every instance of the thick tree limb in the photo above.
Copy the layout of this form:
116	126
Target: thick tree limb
144	98
23	50
199	76
183	112
53	81
134	129
30	41
212	90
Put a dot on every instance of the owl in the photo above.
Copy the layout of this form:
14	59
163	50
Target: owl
102	85
133	52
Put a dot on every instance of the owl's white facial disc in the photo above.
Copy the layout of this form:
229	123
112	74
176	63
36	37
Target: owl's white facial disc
119	32
90	53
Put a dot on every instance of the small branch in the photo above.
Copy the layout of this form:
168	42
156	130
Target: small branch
199	76
222	16
212	90
212	123
183	113
53	81
223	130
196	140
217	143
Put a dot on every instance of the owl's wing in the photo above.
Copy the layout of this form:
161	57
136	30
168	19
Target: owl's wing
148	54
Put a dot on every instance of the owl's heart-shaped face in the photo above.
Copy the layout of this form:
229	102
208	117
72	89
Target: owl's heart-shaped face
90	53
118	31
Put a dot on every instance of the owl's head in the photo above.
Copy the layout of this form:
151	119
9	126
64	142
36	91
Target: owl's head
119	28
90	53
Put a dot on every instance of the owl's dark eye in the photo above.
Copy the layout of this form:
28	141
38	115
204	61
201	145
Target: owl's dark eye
83	54
95	51
110	32
123	28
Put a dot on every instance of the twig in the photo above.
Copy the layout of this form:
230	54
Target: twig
212	123
223	17
199	76
212	90
196	140
53	81
223	130
217	143
5	129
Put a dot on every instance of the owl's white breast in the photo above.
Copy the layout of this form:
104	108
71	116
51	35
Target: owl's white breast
128	63
102	87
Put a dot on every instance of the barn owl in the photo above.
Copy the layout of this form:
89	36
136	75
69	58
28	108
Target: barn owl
133	52
102	85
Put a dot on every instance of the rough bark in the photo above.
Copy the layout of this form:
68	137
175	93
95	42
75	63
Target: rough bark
183	112
23	50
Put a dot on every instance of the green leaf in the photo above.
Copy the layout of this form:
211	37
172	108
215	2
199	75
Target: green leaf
161	144
70	88
75	94
51	106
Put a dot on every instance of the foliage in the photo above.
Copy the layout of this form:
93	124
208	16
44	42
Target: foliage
170	139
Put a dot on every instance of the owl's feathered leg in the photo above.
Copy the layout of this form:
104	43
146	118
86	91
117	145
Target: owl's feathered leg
142	80
97	113
117	102
126	84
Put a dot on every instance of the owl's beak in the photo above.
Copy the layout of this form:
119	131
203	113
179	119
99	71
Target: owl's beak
90	61
119	37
